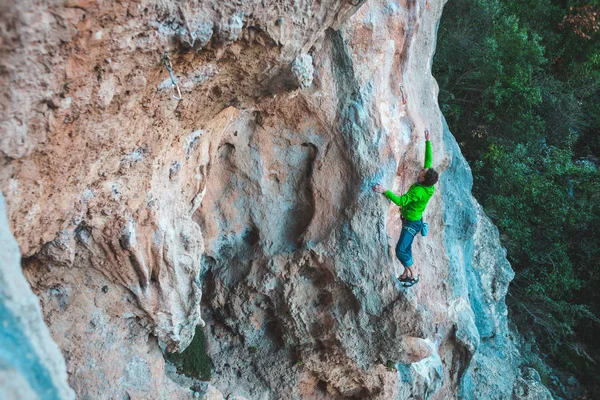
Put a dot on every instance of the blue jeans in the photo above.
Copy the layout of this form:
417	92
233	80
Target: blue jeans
404	246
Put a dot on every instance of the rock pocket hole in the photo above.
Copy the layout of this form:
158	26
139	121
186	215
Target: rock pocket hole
226	151
251	236
217	91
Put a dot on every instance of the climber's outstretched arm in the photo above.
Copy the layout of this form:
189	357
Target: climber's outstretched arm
408	197
428	157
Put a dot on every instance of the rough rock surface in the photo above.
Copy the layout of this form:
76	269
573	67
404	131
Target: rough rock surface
248	195
31	366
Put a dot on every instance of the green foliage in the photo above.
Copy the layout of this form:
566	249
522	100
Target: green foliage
390	366
541	369
520	88
194	362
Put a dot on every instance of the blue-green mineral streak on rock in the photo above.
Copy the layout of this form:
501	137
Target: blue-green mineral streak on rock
480	274
16	353
28	357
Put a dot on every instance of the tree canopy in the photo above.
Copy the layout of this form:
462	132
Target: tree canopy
520	89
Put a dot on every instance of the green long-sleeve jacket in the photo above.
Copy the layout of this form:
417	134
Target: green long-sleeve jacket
414	201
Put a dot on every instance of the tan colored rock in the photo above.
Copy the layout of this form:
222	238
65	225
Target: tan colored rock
253	196
415	350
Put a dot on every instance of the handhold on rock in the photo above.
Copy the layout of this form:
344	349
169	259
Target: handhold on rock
414	349
60	251
195	34
404	100
231	30
107	91
174	170
201	35
303	70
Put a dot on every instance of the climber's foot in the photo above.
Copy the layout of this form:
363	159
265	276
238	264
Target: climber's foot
409	281
407	278
408	273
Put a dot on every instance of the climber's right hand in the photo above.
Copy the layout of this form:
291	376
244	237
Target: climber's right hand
427	134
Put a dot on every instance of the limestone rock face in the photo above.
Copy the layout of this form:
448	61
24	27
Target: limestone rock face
31	366
247	198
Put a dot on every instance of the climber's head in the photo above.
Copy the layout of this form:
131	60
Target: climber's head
428	177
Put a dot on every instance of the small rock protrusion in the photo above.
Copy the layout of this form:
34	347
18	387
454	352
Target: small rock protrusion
104	289
403	95
83	233
174	170
107	91
128	236
59	251
303	70
531	374
54	102
230	31
197	36
202	35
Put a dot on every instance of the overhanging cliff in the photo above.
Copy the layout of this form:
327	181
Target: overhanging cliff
249	199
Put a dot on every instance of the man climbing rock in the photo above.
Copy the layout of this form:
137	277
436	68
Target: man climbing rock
413	204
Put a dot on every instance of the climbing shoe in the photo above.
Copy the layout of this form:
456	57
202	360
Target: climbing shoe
409	281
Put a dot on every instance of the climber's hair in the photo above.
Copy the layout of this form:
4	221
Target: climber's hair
431	177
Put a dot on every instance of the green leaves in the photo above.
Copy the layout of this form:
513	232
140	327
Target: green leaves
194	361
521	93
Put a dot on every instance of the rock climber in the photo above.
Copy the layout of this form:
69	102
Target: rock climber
413	204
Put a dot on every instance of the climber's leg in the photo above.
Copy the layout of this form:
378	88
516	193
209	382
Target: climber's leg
404	246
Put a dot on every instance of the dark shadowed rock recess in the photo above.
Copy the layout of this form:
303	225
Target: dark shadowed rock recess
244	208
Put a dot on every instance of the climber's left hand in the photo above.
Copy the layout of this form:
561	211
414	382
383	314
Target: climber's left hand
379	189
